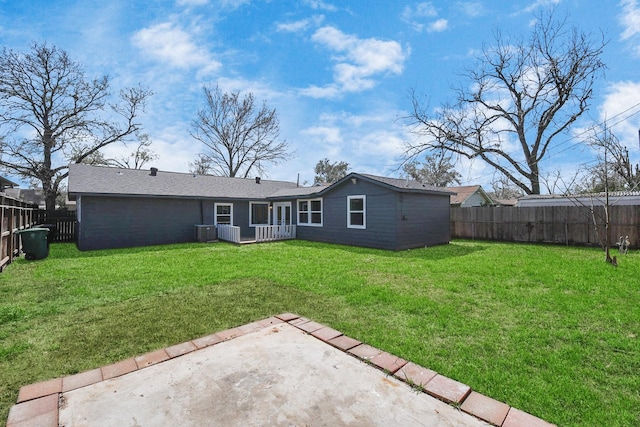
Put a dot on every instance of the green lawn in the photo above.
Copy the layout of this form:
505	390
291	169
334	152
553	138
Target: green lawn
547	329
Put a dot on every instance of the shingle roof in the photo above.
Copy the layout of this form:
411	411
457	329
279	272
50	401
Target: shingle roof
86	179
406	184
462	193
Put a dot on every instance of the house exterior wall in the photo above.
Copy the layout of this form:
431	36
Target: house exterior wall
380	212
118	222
426	218
422	220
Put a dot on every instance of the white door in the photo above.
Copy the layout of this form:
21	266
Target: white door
282	213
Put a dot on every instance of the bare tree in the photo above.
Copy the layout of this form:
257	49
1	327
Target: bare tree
522	94
139	158
503	189
201	165
330	172
613	166
239	135
436	170
50	114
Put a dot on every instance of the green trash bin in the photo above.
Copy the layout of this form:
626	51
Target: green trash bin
34	243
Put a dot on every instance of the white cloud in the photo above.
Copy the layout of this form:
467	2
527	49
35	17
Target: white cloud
438	26
169	44
191	2
320	5
630	21
300	26
471	9
540	3
415	17
618	108
358	61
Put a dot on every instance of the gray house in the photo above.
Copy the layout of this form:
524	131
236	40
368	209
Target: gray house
126	207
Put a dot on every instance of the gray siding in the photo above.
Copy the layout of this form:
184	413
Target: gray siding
380	232
118	222
423	220
395	221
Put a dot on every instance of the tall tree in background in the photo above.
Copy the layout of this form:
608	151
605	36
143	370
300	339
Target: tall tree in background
327	172
51	115
240	136
522	94
436	170
613	166
138	159
201	165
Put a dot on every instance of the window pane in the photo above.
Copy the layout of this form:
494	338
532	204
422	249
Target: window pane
224	219
224	209
316	218
357	219
356	204
304	218
260	213
316	205
303	206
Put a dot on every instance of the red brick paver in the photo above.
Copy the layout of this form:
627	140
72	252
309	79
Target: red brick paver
388	362
41	389
230	333
485	408
326	333
517	418
120	368
81	380
310	327
180	349
151	358
42	412
365	351
286	317
344	342
446	389
415	374
207	341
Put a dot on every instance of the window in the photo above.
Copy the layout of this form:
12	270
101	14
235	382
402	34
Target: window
310	212
356	211
223	213
258	214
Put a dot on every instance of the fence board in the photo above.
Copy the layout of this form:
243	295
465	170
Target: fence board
568	225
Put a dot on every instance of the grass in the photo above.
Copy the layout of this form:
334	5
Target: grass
547	329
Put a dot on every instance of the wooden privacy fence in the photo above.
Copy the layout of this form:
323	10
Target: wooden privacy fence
568	225
16	215
64	222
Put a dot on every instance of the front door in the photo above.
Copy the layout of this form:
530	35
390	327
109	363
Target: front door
282	213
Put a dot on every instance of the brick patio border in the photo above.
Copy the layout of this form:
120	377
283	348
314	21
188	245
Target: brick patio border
38	404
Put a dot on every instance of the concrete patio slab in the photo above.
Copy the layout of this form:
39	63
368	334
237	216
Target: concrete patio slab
277	374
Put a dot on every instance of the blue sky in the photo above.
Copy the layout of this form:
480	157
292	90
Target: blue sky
338	73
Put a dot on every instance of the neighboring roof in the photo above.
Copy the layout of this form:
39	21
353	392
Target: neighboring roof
615	198
466	191
28	195
99	180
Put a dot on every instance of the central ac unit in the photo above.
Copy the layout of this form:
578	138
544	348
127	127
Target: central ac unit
206	233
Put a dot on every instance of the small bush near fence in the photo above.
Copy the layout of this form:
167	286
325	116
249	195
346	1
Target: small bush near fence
568	225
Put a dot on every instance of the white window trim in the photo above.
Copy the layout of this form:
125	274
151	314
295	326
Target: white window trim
309	223
215	212
364	212
251	224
